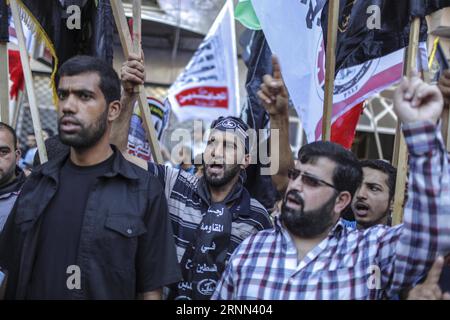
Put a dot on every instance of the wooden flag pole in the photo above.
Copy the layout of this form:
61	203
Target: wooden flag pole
137	26
400	147
330	67
127	46
4	92
445	125
29	82
4	71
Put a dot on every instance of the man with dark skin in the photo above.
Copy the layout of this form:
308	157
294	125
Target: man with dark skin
88	224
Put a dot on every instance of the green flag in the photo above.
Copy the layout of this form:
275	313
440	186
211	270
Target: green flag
245	14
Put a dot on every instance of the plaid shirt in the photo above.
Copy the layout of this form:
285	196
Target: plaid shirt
351	264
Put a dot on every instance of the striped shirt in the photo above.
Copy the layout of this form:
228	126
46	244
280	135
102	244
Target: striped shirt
187	207
351	264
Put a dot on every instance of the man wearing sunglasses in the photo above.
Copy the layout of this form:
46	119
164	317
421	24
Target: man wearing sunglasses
310	254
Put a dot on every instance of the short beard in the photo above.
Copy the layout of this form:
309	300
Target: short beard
370	224
8	176
307	224
228	175
87	137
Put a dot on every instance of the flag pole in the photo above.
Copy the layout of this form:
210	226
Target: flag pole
128	47
330	67
29	82
137	26
400	149
445	126
4	71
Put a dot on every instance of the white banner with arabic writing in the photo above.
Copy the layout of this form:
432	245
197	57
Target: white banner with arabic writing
294	34
208	87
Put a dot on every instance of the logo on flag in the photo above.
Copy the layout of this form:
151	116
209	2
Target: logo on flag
208	87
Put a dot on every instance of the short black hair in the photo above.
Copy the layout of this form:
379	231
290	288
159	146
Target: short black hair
11	130
347	175
384	167
109	80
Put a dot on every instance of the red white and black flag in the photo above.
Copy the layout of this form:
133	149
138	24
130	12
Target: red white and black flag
371	29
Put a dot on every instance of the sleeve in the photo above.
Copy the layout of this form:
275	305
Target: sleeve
159	171
166	175
157	264
407	251
10	251
6	237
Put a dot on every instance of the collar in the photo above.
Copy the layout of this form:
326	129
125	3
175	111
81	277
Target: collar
239	198
120	166
16	184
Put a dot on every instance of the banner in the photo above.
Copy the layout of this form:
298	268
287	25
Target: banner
208	87
52	23
370	29
137	138
259	63
302	60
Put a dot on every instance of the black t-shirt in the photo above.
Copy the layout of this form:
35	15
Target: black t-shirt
60	231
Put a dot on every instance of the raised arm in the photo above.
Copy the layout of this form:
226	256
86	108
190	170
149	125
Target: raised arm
408	251
274	98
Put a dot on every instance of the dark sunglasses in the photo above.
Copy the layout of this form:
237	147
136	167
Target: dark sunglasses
308	180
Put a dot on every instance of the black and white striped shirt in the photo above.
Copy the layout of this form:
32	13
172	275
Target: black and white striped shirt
186	209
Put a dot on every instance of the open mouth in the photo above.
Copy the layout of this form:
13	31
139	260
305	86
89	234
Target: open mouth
294	200
215	168
361	209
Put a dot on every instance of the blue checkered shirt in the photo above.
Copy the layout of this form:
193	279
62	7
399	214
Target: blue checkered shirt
350	264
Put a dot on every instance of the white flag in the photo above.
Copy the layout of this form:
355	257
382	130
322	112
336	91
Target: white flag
208	87
294	34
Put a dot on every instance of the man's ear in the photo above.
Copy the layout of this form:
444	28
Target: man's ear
114	110
391	205
246	161
18	155
342	201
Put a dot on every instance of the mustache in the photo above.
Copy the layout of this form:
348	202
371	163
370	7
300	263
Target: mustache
71	119
296	195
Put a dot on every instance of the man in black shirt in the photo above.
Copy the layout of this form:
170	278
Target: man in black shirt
89	224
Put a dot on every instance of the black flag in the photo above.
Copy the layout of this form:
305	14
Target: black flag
371	29
422	8
53	21
259	62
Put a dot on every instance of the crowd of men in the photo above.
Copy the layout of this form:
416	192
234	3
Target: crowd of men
96	223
